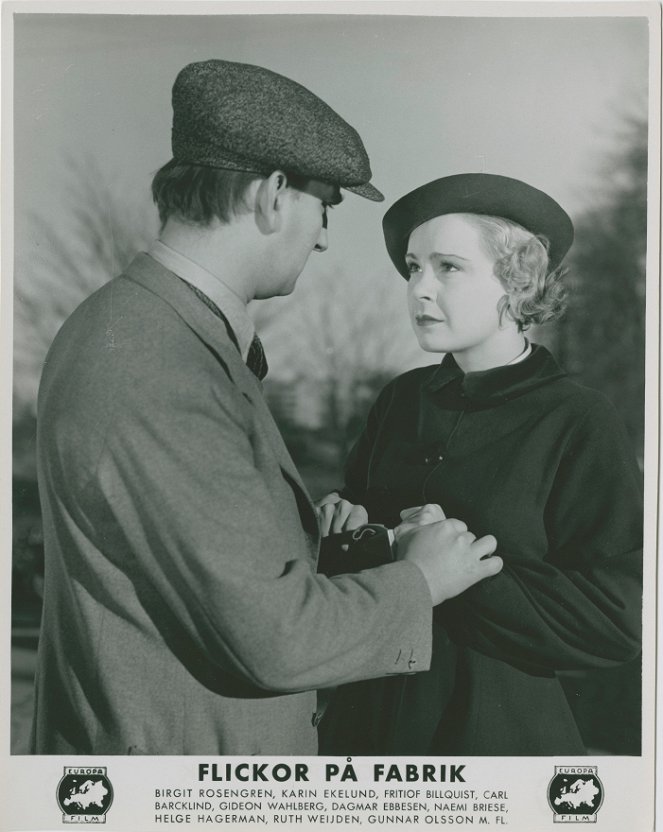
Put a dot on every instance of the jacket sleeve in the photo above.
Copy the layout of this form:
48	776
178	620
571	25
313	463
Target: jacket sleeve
580	606
182	479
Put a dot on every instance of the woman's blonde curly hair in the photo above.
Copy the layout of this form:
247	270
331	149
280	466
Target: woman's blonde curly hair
534	295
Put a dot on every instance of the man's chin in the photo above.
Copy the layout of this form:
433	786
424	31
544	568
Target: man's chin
289	288
274	293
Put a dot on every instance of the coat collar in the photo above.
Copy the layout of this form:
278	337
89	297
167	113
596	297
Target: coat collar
234	308
165	284
500	383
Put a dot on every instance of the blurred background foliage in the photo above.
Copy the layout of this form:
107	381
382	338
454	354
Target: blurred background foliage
601	339
335	344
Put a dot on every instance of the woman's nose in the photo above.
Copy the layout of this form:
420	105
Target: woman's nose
425	285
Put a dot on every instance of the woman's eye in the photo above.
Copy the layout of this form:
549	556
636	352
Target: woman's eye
412	267
447	267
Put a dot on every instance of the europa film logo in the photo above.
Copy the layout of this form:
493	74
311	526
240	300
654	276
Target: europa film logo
575	794
84	794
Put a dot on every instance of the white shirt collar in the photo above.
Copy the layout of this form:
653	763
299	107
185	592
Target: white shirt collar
523	355
232	306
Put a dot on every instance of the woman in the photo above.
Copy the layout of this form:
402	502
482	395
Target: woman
500	438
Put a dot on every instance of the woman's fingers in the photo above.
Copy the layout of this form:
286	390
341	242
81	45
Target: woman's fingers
325	510
326	515
337	515
421	515
329	499
348	517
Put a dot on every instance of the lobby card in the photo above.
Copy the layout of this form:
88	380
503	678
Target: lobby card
565	96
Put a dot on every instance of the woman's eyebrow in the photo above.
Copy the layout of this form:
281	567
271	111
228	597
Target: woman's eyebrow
440	254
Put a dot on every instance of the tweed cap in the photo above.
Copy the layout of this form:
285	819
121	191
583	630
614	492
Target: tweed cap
477	193
244	117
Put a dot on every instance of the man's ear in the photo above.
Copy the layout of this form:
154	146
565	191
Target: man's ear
269	202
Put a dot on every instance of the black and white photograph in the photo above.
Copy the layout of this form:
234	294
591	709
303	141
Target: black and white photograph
333	388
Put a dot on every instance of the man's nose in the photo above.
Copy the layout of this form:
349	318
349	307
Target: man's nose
322	243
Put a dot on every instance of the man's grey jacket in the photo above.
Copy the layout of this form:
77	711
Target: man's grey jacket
182	609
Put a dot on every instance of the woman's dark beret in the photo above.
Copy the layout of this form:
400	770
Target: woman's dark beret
477	193
244	117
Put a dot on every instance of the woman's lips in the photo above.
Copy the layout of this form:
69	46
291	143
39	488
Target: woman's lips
423	319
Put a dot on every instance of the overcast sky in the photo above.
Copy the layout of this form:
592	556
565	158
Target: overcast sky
535	98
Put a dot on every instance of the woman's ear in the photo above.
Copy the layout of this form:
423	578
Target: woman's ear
269	202
504	310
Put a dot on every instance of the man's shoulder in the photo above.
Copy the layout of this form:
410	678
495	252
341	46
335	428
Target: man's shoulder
144	308
116	297
121	313
126	336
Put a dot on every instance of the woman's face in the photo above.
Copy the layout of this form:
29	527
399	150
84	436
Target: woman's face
453	294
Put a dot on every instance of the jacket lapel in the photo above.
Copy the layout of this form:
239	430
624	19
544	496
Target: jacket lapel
152	276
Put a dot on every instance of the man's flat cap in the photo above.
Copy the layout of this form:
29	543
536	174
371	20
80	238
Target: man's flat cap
244	117
477	193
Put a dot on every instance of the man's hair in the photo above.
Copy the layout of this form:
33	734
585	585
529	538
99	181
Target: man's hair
534	294
198	195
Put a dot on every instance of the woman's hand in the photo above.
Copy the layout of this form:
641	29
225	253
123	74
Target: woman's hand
418	516
337	515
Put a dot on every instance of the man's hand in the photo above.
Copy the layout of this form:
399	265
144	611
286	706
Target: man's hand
337	515
449	556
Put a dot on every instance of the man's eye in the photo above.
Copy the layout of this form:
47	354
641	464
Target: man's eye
326	206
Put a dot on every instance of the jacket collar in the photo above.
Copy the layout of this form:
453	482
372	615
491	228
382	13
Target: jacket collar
500	383
165	284
234	308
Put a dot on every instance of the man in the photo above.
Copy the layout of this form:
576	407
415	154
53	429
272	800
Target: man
183	612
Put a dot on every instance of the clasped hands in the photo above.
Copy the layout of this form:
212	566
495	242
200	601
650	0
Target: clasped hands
451	558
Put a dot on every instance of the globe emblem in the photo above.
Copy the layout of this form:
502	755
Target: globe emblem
575	793
84	793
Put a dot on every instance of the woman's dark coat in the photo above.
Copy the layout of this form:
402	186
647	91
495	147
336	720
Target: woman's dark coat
525	454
